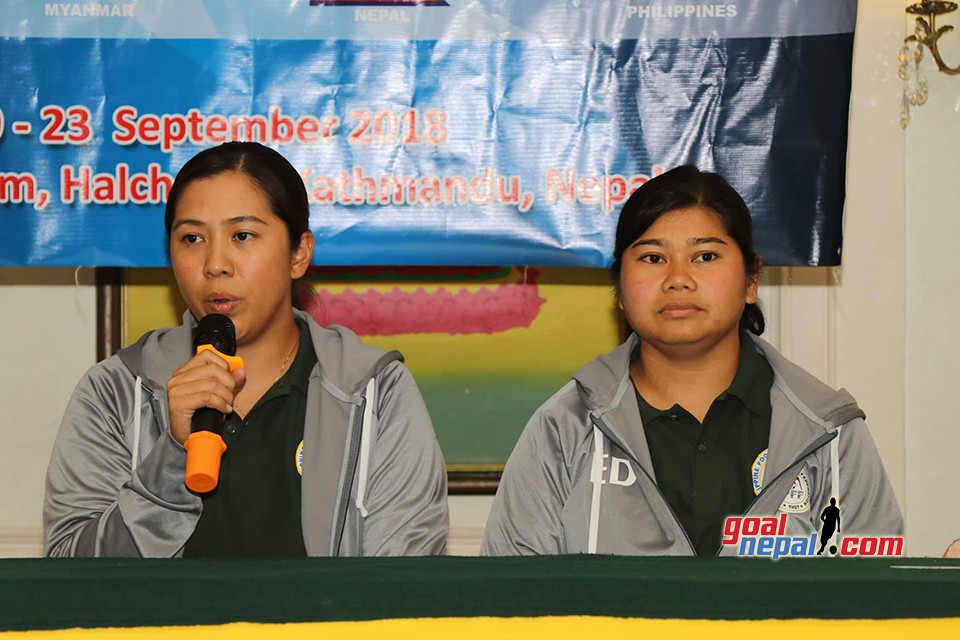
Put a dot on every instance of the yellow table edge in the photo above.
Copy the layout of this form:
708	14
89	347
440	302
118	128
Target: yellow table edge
551	627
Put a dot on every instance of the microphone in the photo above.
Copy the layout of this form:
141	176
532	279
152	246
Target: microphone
215	332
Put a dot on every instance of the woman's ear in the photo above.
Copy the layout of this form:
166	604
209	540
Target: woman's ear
302	255
753	279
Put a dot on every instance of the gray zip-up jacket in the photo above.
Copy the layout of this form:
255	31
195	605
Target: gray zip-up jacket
550	502
374	480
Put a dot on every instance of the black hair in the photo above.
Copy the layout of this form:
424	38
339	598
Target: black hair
681	188
273	174
280	183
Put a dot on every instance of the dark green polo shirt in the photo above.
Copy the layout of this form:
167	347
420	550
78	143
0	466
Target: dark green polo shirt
705	470
255	509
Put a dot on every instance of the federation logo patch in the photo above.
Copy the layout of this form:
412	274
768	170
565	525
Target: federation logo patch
756	471
298	458
798	498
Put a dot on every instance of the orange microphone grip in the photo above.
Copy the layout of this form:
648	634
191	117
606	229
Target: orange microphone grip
217	333
234	362
204	449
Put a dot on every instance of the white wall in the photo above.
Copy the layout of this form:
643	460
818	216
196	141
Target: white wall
932	308
48	324
880	326
869	316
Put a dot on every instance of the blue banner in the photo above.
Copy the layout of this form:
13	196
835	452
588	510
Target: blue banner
430	132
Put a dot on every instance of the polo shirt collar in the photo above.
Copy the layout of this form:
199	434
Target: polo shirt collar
298	376
749	384
648	413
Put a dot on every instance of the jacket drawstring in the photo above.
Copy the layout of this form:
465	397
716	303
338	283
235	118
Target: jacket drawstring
835	468
136	426
596	475
366	428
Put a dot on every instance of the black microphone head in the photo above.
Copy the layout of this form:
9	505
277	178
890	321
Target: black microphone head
217	330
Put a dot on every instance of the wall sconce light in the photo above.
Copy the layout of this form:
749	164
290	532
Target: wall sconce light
926	34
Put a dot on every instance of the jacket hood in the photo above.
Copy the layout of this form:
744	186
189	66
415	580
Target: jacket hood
817	400
346	364
603	382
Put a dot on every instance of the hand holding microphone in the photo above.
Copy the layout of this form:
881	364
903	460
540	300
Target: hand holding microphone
200	393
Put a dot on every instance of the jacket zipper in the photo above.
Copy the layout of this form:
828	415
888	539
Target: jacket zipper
348	480
601	424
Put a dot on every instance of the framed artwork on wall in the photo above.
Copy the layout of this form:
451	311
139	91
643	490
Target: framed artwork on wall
487	345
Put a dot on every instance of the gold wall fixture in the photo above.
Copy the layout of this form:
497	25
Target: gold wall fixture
926	34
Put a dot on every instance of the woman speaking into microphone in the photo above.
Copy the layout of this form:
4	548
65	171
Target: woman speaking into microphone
329	447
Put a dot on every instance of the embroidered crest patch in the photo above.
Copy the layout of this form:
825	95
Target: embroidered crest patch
756	471
798	498
298	458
